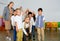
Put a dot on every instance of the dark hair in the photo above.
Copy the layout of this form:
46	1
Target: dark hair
13	11
10	3
29	13
34	18
40	9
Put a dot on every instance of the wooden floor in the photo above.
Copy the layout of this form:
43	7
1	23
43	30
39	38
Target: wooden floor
49	36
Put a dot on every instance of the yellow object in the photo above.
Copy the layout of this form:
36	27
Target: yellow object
48	25
55	25
19	35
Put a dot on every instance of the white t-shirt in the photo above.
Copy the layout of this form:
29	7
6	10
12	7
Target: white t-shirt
18	20
32	21
12	20
26	24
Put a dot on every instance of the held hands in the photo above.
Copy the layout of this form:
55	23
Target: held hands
11	11
29	32
17	30
26	34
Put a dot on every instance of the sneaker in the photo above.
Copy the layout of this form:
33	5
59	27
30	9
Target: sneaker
9	39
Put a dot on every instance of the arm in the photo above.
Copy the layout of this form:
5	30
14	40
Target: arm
25	32
25	12
4	13
44	19
30	27
24	29
12	21
16	27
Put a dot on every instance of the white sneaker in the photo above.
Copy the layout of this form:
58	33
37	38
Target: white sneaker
9	39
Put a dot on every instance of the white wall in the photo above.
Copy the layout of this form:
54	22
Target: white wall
51	7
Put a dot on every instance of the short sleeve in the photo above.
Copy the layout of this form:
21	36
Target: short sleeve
15	19
43	18
12	20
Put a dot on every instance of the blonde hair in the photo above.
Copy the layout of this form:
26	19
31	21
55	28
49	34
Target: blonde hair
25	17
25	23
17	8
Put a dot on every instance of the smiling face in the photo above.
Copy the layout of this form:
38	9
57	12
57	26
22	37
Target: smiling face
18	12
27	20
40	12
15	13
11	5
30	15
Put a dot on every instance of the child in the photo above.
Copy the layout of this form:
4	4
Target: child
27	26
32	20
19	25
33	26
13	24
40	25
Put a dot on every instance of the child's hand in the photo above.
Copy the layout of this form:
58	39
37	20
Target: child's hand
29	32
17	30
13	27
26	34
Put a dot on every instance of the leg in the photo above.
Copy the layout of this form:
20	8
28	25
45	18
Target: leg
14	33
38	32
24	37
33	33
42	34
19	35
7	27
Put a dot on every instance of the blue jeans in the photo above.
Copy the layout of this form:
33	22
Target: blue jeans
14	33
33	33
33	30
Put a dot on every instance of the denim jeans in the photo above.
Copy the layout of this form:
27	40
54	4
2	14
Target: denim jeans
33	32
14	33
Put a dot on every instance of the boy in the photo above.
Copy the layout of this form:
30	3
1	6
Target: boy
40	25
19	25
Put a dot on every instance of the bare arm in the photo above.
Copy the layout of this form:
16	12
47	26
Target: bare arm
16	27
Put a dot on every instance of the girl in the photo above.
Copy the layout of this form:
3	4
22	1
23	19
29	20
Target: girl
32	20
27	27
33	26
13	24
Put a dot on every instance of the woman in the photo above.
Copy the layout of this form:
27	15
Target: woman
8	11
